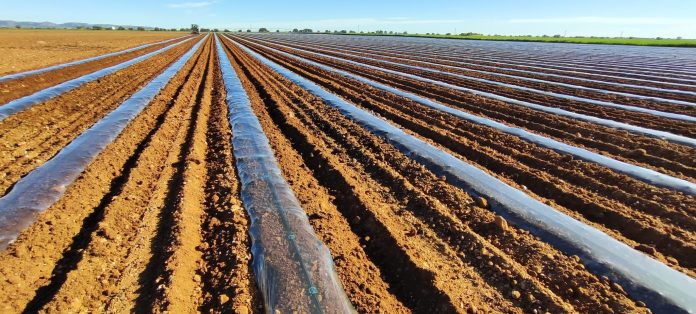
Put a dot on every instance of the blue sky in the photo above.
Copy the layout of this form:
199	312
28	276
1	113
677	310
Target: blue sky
648	18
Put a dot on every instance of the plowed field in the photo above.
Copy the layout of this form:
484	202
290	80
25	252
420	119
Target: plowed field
156	222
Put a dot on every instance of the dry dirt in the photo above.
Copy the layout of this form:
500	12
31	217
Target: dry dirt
27	49
156	222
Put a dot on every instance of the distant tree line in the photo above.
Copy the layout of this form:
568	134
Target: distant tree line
120	28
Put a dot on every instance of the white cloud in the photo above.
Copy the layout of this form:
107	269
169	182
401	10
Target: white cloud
190	5
606	20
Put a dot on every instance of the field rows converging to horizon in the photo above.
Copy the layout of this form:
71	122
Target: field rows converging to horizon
291	173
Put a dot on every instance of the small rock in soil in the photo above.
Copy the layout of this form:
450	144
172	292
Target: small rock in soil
516	294
617	287
224	298
646	249
639	152
501	223
481	202
242	309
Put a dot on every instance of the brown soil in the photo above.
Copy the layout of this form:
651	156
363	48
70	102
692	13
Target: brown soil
156	222
392	54
138	243
577	186
28	49
659	155
410	222
14	89
630	117
35	135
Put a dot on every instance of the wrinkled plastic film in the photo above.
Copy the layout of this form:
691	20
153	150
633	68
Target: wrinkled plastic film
432	55
555	66
594	89
579	69
600	56
575	71
640	173
649	280
675	138
43	186
669	115
65	65
293	268
528	53
389	53
25	102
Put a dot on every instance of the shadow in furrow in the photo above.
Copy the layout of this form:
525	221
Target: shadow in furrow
73	255
166	229
396	267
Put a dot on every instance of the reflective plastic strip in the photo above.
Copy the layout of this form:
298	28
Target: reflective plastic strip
675	138
387	53
669	115
65	65
640	173
25	102
44	186
646	279
283	244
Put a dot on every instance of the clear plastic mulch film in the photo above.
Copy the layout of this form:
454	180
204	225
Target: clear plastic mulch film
638	172
90	59
43	186
664	289
25	102
466	65
675	138
293	268
393	53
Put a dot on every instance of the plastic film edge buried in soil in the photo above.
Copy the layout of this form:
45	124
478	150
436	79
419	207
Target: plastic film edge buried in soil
669	115
43	186
640	173
28	101
19	75
294	269
537	65
664	289
671	137
388	53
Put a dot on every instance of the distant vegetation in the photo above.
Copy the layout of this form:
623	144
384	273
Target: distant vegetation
49	25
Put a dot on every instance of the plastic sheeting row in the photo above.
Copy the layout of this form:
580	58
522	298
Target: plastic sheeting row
43	186
486	57
671	60
467	66
293	268
644	174
675	138
669	115
65	65
26	102
658	285
432	57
